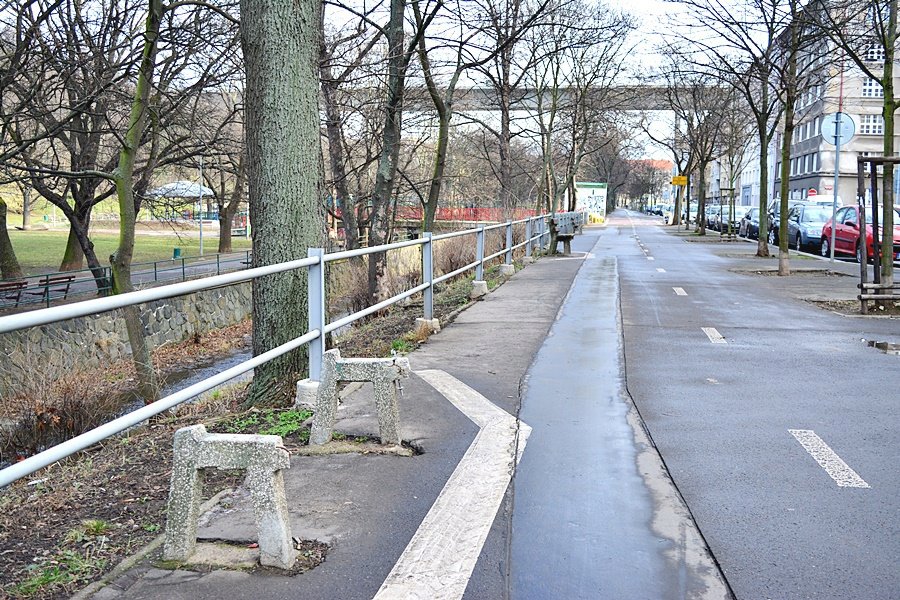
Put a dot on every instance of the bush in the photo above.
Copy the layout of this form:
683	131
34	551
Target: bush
54	410
453	254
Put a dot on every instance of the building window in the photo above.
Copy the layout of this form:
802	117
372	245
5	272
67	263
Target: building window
875	54
871	124
872	89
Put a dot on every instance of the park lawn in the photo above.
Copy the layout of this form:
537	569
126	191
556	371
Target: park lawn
41	251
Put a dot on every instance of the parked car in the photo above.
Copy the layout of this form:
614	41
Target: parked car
846	234
693	215
805	222
712	211
725	215
749	227
775	212
668	213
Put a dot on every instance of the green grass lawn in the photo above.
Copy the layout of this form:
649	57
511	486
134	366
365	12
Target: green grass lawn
41	251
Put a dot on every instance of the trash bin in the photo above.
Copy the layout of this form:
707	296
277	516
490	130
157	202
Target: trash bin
176	253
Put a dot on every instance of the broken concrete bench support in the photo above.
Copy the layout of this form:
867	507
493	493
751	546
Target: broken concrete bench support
263	457
384	373
566	239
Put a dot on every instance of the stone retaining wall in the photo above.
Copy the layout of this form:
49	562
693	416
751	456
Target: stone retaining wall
48	350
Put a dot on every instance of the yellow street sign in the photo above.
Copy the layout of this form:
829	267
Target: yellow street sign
679	180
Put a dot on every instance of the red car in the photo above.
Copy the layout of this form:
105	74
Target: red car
846	237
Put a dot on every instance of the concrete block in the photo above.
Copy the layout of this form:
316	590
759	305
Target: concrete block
507	270
384	373
306	393
479	289
428	326
263	457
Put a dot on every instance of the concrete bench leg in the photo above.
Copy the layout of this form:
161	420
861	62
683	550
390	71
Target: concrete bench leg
184	503
388	410
276	548
326	401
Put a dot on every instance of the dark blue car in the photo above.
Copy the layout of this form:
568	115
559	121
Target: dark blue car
805	224
749	227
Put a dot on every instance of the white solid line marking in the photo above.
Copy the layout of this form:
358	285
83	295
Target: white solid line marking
828	459
439	559
679	291
658	270
714	336
650	258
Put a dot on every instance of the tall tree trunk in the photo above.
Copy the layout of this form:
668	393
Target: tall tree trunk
336	162
9	264
790	100
687	203
701	200
385	176
762	242
26	207
224	230
336	146
888	113
676	212
784	267
73	256
280	43
120	261
437	173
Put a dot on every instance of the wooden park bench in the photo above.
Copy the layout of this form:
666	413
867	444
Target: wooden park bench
54	283
12	290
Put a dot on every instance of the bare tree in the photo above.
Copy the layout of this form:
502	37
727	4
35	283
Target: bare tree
341	54
580	51
866	31
467	47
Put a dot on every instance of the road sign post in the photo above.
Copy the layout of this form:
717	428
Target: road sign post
836	128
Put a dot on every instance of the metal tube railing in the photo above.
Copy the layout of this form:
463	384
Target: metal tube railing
89	438
315	262
100	305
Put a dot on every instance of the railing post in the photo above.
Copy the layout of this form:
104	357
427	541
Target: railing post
218	270
509	243
316	305
528	241
479	254
183	275
428	275
155	277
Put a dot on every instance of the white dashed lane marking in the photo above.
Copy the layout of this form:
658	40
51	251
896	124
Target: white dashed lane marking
650	258
828	459
679	291
658	270
714	336
439	559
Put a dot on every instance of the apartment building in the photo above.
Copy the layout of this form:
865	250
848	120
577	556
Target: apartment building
812	158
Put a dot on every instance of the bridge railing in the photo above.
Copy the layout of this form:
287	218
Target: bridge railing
536	236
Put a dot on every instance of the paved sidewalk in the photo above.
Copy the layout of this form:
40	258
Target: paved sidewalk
627	532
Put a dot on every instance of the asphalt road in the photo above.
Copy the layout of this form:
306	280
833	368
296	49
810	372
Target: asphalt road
720	413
